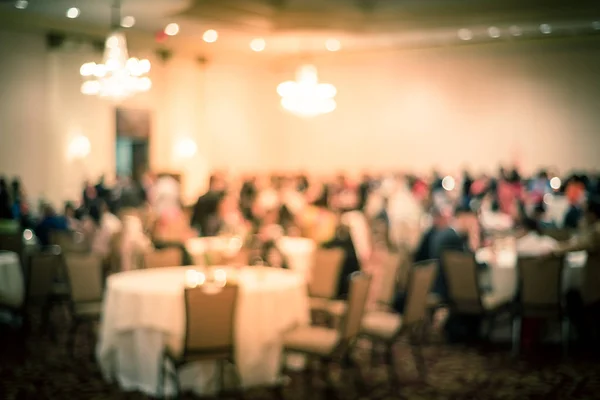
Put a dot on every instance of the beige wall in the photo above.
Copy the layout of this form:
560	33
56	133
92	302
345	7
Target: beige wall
448	107
473	105
41	110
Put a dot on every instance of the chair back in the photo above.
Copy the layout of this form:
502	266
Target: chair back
357	299
590	282
218	308
540	283
394	263
561	235
70	242
326	271
169	257
85	277
9	226
43	269
12	241
460	269
421	279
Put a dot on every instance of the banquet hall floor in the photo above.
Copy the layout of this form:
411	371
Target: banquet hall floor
41	369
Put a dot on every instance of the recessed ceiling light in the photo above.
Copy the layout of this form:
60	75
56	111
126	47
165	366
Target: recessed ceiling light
210	36
21	4
73	12
258	44
465	34
333	45
172	29
515	30
545	29
596	25
128	21
494	32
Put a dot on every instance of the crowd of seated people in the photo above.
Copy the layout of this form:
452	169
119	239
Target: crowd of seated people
463	213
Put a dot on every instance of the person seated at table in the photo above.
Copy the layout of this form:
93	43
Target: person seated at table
534	243
541	217
107	224
49	222
230	220
272	256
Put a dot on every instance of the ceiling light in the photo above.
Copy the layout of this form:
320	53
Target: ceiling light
494	32
128	21
465	34
333	45
21	4
596	25
515	30
258	44
73	12
545	29
306	97
210	36
172	29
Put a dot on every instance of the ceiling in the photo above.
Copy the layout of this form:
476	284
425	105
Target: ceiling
293	26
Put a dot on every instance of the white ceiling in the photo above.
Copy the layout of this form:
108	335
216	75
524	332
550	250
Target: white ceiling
303	26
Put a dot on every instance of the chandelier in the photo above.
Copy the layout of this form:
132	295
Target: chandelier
306	97
118	76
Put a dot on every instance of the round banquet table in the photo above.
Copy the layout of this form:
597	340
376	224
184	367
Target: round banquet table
12	288
502	273
144	310
299	252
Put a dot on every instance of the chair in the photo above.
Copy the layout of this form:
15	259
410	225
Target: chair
328	344
394	269
386	327
325	274
590	290
43	268
12	241
466	296
561	235
85	277
204	341
540	280
169	257
70	242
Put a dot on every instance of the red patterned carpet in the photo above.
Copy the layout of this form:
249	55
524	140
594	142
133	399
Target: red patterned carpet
40	369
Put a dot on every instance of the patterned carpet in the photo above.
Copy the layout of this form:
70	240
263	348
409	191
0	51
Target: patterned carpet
40	369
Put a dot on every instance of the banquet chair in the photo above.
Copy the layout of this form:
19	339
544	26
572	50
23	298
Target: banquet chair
325	274
465	294
395	269
70	242
387	326
590	289
85	277
203	341
169	257
329	345
12	241
43	268
540	292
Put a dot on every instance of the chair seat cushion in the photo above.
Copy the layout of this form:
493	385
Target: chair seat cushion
312	340
88	310
337	308
319	304
492	301
381	324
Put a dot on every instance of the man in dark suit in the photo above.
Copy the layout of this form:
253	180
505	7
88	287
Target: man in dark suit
205	210
455	237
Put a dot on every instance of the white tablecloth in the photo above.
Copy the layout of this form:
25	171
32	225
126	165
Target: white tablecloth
12	288
299	253
502	274
143	310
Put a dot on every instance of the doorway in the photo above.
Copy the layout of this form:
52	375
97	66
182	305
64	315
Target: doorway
132	143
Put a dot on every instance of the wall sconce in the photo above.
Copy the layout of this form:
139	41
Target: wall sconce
185	148
79	148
